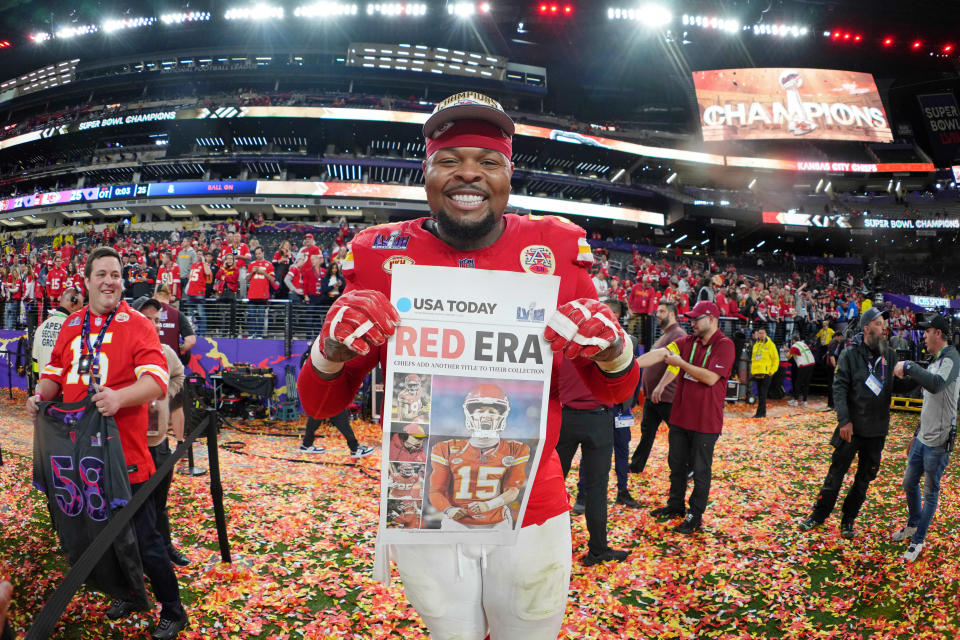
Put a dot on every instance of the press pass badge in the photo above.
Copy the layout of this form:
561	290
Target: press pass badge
624	421
874	385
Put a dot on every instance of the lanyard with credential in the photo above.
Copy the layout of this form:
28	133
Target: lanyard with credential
90	363
693	351
883	367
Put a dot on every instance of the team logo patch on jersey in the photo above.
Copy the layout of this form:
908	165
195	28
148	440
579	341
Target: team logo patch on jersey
457	461
392	241
393	261
538	259
467	263
123	317
508	460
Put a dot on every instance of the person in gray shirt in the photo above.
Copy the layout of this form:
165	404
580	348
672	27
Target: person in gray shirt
186	256
930	451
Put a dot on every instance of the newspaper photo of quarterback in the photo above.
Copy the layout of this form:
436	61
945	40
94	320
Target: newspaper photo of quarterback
510	591
412	403
475	480
406	481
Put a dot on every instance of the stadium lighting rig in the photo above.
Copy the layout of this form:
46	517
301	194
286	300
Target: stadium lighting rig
257	12
326	10
730	25
650	15
468	9
393	9
72	32
780	30
110	26
180	18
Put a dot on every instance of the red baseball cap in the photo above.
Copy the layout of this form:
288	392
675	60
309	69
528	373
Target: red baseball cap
704	308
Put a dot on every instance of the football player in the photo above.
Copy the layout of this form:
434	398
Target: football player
510	591
403	514
475	480
405	482
412	404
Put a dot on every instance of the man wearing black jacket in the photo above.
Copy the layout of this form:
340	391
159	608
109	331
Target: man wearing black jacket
862	387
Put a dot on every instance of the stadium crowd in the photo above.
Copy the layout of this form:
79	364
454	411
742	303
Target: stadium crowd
214	263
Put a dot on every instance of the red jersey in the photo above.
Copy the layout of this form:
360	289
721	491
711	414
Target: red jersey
564	252
311	279
130	350
296	280
683	303
409	518
12	284
258	284
239	252
406	487
638	299
76	281
462	474
197	280
228	279
170	276
56	281
721	301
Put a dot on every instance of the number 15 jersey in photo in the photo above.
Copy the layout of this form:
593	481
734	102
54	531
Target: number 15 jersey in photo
463	474
78	463
129	350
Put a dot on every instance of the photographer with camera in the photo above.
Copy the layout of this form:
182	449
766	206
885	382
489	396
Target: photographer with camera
930	451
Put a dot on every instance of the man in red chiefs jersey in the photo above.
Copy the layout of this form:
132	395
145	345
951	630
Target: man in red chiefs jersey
113	352
494	469
459	591
412	404
56	281
406	481
403	514
200	276
260	282
168	274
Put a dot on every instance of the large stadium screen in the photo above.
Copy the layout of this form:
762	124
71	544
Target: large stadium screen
818	104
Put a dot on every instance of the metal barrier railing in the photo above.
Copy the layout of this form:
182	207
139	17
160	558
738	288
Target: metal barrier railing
242	318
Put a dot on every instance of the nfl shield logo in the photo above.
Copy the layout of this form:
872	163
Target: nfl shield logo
466	263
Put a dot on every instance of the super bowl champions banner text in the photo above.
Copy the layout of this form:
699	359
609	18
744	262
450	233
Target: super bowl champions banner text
466	411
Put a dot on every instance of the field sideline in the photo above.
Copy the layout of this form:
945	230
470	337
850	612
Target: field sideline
302	537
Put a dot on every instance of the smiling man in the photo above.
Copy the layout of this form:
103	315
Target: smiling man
112	352
464	591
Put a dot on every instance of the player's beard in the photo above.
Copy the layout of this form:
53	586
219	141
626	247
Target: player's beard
455	228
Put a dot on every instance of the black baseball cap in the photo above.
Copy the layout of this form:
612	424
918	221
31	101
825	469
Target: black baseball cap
144	301
872	314
936	321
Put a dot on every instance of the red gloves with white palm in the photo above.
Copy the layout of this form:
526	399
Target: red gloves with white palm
356	322
588	328
360	320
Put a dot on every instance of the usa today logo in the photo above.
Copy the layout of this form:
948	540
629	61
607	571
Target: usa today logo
437	305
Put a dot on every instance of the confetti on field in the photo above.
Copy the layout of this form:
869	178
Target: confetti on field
302	542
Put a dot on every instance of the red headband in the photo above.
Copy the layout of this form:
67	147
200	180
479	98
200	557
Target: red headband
471	133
